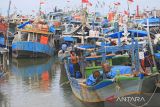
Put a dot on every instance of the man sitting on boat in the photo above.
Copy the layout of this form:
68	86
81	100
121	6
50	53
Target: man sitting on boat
74	61
107	72
97	76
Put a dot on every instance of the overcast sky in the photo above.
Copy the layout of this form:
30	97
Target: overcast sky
26	6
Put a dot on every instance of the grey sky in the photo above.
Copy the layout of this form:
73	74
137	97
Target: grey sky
26	6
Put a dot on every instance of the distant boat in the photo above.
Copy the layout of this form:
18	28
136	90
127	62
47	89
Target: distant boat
55	19
153	22
33	43
4	40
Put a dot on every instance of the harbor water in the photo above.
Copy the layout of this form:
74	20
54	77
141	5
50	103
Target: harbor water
37	83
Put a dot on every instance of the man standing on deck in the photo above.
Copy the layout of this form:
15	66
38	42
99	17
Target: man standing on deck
74	61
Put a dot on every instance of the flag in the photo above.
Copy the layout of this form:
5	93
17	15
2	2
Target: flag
85	1
89	4
117	3
68	1
42	1
126	12
33	11
131	1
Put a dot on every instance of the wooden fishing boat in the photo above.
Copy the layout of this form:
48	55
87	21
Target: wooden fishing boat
5	39
33	43
124	83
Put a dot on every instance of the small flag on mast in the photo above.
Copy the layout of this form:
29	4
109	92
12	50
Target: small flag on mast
117	3
131	1
85	1
89	4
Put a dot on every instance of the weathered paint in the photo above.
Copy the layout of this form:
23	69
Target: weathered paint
106	88
33	47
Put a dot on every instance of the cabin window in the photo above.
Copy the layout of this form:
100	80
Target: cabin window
93	63
24	36
38	37
91	40
50	17
78	40
32	37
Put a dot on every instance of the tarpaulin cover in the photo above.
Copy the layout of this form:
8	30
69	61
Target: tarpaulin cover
87	46
157	55
69	39
44	40
138	33
114	71
119	70
23	25
52	29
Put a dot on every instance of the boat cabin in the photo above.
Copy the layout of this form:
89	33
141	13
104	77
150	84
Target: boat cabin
42	37
55	16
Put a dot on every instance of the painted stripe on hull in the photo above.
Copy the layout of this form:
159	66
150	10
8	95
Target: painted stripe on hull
133	85
31	49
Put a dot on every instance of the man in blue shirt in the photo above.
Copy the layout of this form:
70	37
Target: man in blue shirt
98	76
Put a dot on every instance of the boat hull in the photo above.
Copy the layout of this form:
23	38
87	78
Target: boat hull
106	89
31	49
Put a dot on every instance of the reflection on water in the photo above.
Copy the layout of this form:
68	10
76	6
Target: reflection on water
3	101
37	83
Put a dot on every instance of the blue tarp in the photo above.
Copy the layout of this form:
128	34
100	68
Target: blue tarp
51	29
151	20
115	70
157	55
119	70
70	39
87	46
21	26
138	33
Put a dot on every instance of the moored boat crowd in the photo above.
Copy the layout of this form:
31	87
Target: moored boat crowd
104	56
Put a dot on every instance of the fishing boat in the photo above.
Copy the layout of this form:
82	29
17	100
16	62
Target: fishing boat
56	18
123	83
33	42
5	39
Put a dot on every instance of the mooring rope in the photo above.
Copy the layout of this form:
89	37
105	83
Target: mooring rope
64	83
118	89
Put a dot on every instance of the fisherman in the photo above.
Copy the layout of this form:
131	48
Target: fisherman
74	61
98	76
106	69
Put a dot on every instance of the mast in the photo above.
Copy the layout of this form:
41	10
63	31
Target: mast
8	18
128	8
40	8
150	43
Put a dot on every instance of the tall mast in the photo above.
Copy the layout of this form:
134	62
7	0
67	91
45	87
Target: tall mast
150	43
128	8
8	18
40	8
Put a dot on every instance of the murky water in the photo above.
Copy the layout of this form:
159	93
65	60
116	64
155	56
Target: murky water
37	83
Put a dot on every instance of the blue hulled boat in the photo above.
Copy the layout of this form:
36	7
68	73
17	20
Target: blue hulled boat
33	43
